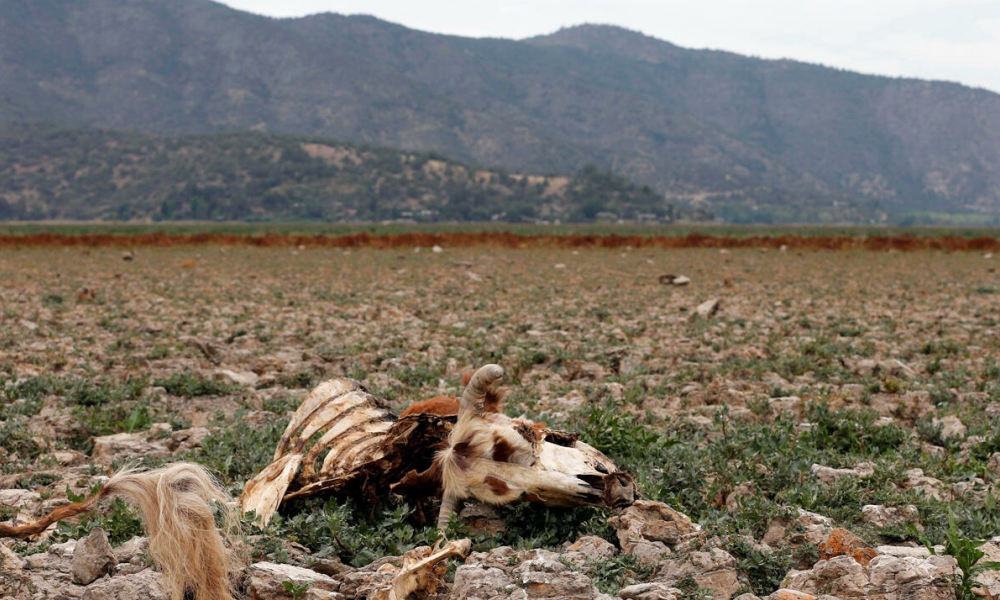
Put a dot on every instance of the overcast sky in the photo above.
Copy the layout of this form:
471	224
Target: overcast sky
957	40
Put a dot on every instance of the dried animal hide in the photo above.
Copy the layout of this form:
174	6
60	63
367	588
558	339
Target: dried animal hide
359	445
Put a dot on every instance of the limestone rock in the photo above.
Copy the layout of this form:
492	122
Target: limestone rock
879	515
714	569
123	445
479	582
885	578
650	591
828	476
792	405
241	378
265	580
131	550
990	580
92	557
25	500
929	486
707	308
187	439
951	427
545	576
648	521
146	584
842	542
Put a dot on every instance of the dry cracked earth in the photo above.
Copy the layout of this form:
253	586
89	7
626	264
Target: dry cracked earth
827	428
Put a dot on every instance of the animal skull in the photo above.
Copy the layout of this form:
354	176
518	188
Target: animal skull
484	455
496	459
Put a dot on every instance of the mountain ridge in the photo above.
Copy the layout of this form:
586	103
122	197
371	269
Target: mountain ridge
752	139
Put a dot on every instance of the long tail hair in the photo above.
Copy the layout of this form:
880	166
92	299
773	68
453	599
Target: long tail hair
176	504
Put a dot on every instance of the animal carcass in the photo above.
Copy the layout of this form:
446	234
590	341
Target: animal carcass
343	438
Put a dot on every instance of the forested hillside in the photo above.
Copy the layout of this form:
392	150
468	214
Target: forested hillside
53	173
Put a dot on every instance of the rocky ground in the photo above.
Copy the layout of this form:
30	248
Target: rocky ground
800	423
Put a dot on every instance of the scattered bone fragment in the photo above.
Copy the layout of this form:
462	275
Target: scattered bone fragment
677	280
422	570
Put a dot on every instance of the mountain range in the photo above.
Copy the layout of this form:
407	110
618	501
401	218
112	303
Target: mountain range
750	139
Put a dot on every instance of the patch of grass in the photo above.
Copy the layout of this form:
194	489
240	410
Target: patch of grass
104	392
38	480
238	452
120	521
297	380
189	385
16	439
356	537
764	568
615	573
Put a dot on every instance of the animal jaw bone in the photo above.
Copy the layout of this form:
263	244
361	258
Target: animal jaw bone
486	455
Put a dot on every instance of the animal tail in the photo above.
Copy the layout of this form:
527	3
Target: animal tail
176	503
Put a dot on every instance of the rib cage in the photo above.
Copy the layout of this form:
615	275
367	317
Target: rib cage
338	418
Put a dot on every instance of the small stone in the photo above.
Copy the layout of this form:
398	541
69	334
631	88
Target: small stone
131	549
187	439
650	591
477	581
882	516
266	579
792	405
92	557
708	308
124	445
828	475
649	521
146	584
951	427
994	464
242	378
594	548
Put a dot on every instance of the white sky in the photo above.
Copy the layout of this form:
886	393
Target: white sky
956	40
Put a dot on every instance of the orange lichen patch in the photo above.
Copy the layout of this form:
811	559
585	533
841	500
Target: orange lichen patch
844	543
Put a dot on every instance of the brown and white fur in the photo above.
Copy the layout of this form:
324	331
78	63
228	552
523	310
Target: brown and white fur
497	459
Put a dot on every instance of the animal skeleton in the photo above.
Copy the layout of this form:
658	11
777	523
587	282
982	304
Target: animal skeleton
485	455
